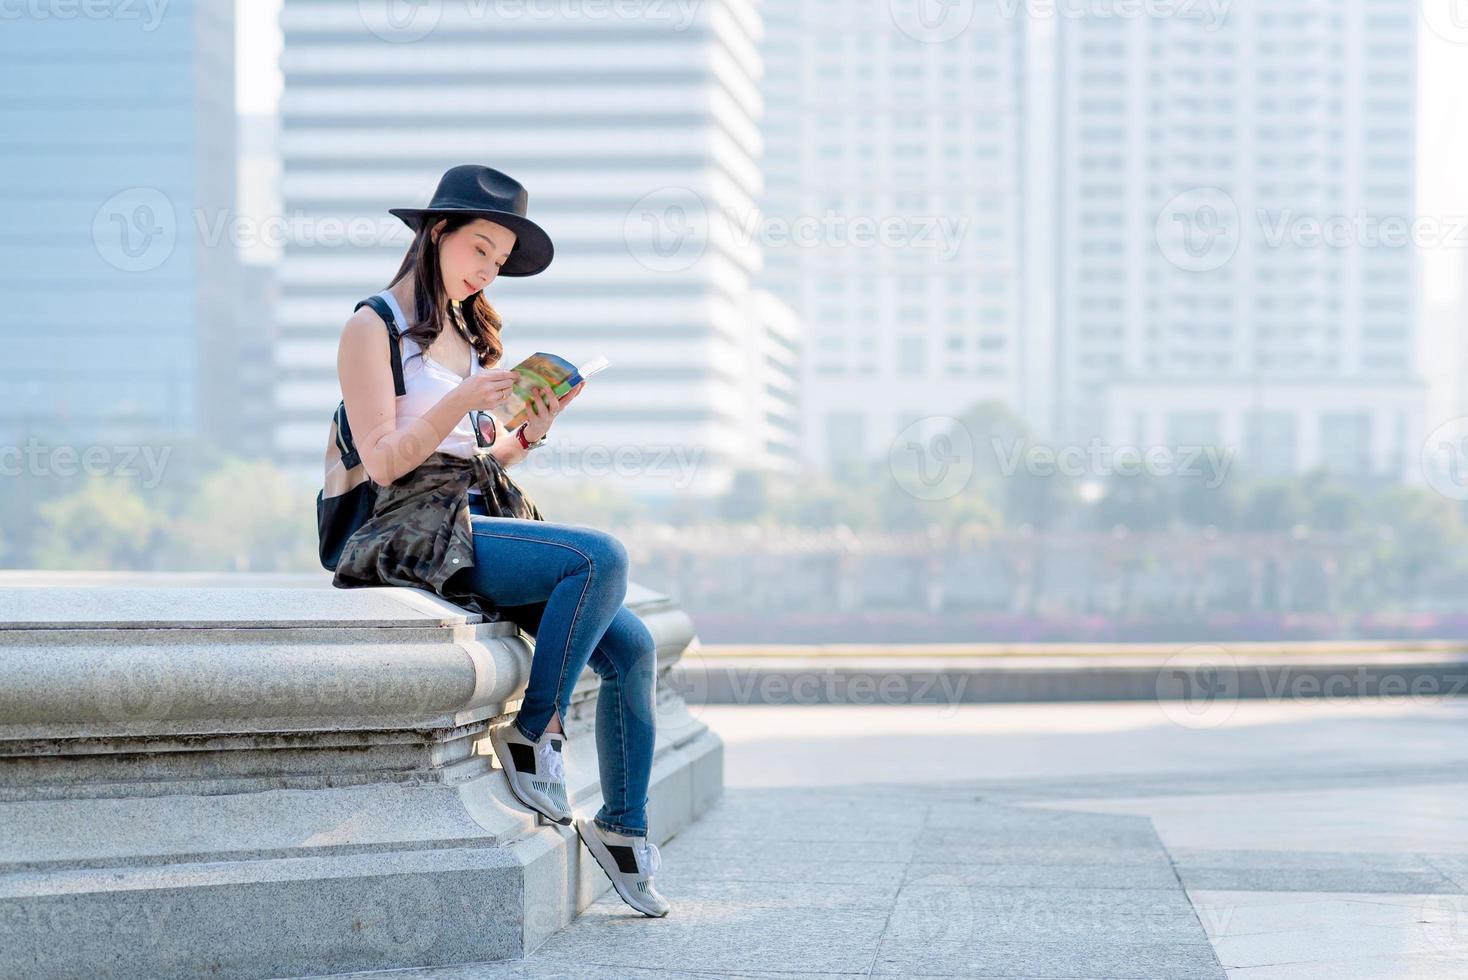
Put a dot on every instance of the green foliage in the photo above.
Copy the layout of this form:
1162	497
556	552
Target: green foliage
104	526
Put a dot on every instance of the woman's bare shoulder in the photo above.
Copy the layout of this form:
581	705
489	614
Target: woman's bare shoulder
364	330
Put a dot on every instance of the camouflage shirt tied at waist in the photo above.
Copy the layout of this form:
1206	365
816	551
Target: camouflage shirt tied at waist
419	534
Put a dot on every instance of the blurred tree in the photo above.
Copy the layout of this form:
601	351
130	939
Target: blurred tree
1140	502
245	516
105	526
1273	506
1427	530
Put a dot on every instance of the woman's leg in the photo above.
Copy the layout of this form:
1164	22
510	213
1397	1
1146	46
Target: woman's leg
580	573
626	724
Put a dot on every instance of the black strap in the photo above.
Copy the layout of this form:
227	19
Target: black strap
350	456
379	305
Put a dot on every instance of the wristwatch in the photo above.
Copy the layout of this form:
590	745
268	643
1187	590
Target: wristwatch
525	443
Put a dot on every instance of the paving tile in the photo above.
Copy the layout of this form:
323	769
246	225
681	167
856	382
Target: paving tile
1049	875
712	936
1148	961
1343	879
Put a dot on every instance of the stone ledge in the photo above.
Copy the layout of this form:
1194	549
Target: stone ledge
267	784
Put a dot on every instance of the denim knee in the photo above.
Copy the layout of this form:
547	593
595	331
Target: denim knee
609	554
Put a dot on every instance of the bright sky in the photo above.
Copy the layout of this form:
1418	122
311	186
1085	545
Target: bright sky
1442	141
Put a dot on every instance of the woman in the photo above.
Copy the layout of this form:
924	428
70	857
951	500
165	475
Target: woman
562	583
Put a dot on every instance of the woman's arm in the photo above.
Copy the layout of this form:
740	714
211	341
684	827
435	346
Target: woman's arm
506	448
364	367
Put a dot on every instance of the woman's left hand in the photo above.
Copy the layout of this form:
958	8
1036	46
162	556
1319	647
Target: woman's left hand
544	406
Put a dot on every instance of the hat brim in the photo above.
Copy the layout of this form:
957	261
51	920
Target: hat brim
531	253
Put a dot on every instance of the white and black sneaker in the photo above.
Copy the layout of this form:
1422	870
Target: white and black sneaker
629	862
535	770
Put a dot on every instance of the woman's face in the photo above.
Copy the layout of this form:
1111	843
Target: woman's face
470	257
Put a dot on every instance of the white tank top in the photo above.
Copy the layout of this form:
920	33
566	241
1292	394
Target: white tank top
425	381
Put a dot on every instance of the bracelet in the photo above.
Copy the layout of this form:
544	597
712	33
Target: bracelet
525	443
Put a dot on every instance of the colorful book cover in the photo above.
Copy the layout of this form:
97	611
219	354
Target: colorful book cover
542	369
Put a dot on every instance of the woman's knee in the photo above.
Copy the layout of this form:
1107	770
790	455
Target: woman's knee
608	554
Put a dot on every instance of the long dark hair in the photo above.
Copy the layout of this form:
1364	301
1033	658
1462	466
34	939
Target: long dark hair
479	318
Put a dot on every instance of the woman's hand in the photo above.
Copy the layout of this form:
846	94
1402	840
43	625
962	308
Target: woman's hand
487	389
543	407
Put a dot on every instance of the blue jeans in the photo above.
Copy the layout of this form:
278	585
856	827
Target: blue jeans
564	584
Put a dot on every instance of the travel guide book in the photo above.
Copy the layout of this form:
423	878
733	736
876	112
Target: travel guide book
540	368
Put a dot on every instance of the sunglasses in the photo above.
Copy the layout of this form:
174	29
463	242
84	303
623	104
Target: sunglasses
484	427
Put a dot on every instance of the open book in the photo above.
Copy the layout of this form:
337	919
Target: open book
542	369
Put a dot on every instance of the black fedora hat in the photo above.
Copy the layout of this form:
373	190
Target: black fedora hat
487	193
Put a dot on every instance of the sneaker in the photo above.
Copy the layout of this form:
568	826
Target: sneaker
629	862
535	770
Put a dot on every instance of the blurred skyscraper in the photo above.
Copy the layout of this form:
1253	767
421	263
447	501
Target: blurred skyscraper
635	134
118	144
1228	195
895	195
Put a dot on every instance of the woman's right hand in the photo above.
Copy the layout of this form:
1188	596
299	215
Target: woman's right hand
487	389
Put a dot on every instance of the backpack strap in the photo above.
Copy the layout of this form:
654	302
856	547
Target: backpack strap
350	457
380	307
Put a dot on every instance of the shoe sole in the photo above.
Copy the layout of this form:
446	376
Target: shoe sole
498	748
616	886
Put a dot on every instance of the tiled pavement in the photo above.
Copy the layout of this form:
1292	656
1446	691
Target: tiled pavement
1298	840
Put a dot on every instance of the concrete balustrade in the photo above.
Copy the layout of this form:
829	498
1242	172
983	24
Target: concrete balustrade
264	776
